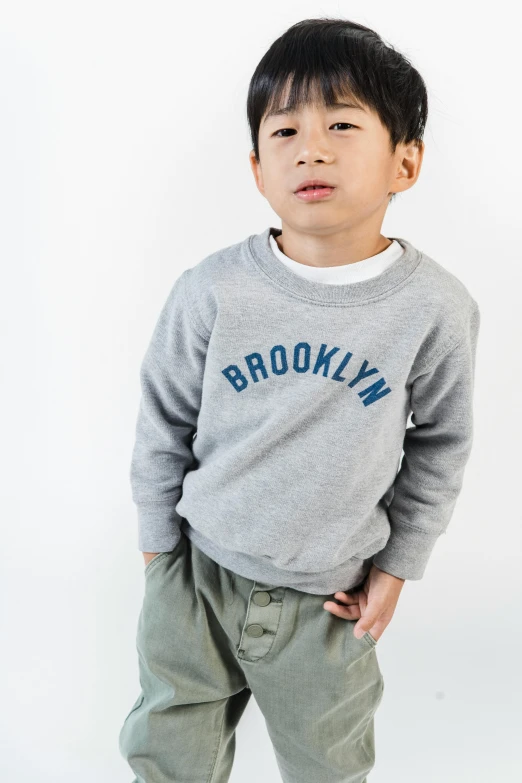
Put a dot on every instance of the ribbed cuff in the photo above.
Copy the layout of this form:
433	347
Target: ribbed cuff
158	527
406	553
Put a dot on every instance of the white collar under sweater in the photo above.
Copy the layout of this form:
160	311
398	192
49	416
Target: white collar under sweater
346	273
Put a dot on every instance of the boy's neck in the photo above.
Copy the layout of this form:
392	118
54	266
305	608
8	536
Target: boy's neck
336	249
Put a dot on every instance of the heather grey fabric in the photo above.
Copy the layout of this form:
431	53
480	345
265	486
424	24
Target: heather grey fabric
208	639
274	414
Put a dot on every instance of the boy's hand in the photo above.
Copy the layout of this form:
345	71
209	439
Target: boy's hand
148	556
374	604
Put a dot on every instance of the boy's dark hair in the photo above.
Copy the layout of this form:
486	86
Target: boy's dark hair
325	59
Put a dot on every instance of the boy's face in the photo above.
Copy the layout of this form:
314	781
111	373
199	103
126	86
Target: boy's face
346	147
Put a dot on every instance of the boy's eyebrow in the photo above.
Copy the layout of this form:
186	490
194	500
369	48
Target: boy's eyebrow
290	109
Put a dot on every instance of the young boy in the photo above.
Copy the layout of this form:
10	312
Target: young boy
277	520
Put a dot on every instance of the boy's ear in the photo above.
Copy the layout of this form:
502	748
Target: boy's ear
256	170
410	165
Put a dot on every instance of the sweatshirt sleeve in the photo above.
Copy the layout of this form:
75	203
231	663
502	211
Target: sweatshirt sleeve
436	450
171	378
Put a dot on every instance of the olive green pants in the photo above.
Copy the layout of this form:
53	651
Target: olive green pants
207	639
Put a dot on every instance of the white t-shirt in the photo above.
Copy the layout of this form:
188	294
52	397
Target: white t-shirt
346	273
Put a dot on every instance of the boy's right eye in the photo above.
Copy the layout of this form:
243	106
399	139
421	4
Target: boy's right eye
280	131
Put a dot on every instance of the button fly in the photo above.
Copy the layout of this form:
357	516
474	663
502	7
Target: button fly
263	616
261	598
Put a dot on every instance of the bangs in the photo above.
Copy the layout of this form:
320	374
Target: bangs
295	90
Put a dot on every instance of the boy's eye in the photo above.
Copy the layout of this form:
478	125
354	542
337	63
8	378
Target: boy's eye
290	129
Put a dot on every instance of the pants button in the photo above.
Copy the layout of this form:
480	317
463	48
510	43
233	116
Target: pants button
261	598
255	630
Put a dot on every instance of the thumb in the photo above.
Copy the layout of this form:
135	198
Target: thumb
363	625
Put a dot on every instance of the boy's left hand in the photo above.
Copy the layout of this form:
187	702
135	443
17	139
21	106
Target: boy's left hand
374	603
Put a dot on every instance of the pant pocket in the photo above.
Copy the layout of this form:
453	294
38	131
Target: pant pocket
137	704
150	565
161	556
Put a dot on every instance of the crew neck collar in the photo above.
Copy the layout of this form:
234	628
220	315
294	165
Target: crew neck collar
363	290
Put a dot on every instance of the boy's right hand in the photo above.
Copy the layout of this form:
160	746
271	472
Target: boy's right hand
149	555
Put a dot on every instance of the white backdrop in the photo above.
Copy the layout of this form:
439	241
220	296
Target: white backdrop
124	160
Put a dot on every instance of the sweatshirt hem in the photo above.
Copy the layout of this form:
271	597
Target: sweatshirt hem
344	577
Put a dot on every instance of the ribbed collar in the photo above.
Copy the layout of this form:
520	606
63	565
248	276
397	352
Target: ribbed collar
259	248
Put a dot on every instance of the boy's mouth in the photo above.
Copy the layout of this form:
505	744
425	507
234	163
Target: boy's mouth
314	189
308	184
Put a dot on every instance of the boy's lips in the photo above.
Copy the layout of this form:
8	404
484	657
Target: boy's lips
311	182
318	194
317	189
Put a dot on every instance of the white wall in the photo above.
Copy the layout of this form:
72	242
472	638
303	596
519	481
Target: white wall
124	160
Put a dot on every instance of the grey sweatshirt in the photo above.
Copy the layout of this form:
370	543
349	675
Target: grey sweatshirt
273	422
